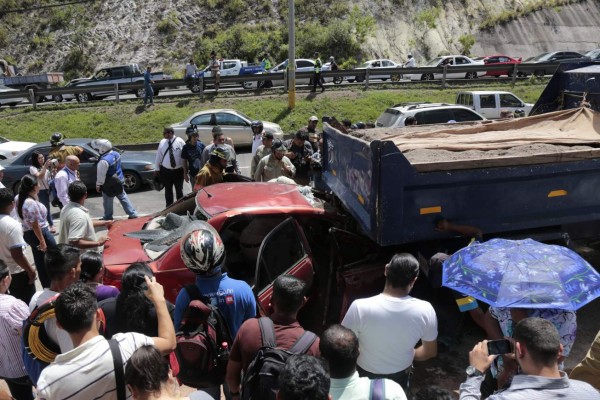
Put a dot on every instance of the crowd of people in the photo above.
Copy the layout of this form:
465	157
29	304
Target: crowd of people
110	343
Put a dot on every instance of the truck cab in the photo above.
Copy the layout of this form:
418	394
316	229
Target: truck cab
490	104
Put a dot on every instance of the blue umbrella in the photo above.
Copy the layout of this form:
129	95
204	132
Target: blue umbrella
522	274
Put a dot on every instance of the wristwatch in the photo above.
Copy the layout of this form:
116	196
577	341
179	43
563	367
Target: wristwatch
472	371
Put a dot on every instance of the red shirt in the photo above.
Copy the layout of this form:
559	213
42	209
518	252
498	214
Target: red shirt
249	340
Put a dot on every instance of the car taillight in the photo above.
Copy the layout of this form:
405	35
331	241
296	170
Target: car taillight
112	279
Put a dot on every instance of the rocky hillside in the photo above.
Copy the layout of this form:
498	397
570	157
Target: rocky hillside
79	38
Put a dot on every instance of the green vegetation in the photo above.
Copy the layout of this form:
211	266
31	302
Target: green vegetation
129	122
467	42
429	16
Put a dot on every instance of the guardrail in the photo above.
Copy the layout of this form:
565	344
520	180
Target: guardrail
359	75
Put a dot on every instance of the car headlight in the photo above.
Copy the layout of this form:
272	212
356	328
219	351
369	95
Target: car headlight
148	167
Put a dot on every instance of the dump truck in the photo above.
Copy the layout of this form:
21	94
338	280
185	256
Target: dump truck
10	76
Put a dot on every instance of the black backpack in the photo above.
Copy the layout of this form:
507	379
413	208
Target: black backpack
261	378
203	343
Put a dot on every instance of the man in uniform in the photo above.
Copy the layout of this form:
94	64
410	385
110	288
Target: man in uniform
274	165
262	151
212	172
317	75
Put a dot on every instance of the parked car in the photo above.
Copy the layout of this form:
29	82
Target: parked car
502	60
426	113
234	124
373	65
490	104
138	166
555	57
451	61
302	65
268	229
11	148
593	55
57	98
11	101
230	68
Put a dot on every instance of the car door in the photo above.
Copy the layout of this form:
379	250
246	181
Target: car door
204	123
235	127
304	66
488	106
88	167
435	116
284	250
228	68
509	101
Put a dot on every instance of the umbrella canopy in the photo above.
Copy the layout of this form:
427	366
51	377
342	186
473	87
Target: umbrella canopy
522	274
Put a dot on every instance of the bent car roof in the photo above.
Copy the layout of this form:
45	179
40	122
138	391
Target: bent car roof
216	199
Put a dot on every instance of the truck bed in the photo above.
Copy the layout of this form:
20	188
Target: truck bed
396	196
49	78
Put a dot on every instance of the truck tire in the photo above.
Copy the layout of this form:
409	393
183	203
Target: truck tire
338	79
57	98
359	79
84	97
195	88
427	77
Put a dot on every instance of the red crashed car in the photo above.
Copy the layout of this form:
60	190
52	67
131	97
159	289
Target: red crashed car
502	60
268	229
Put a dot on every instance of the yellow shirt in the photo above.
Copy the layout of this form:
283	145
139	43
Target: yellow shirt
208	175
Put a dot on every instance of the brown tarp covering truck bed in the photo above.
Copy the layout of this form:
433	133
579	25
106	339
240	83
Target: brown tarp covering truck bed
560	136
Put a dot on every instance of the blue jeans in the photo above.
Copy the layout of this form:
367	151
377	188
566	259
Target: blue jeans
44	197
38	256
107	202
149	94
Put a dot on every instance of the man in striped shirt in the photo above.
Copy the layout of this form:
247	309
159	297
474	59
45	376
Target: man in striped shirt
87	372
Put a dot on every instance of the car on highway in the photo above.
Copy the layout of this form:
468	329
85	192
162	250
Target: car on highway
11	101
425	114
268	229
138	166
59	97
451	62
234	124
555	57
502	60
593	55
11	148
373	66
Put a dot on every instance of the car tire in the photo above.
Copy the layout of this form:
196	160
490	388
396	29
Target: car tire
539	73
471	75
338	79
57	98
83	97
395	78
384	79
427	77
140	93
133	181
359	79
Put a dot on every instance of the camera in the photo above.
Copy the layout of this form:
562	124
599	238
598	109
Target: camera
54	162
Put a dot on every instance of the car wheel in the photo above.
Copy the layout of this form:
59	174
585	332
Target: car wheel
351	80
471	75
132	181
338	79
57	98
427	77
539	73
384	79
396	78
359	79
140	93
521	74
84	97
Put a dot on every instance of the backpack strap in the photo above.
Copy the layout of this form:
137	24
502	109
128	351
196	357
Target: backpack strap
303	343
118	365
377	389
267	331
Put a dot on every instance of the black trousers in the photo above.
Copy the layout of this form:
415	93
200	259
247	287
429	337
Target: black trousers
317	81
402	378
20	388
21	288
172	178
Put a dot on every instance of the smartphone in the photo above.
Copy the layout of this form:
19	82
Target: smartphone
502	346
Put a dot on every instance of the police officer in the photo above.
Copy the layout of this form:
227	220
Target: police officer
317	76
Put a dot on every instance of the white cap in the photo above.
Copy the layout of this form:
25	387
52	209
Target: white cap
313	118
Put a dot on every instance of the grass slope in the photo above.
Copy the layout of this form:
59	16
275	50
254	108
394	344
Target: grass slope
128	122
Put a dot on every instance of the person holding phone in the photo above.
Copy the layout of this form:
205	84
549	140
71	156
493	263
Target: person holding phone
537	349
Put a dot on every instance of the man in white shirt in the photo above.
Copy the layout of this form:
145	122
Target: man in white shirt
64	177
411	62
12	244
190	71
88	372
169	164
389	325
339	347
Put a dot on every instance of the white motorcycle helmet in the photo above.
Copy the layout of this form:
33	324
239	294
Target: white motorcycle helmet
102	145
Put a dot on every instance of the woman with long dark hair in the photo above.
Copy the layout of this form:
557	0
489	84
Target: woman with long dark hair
36	232
91	274
42	169
131	311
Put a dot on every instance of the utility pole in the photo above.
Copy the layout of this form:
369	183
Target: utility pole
291	56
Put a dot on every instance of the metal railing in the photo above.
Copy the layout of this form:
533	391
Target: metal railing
363	76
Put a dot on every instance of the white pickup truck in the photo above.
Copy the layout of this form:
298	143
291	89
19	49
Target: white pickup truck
230	68
491	104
